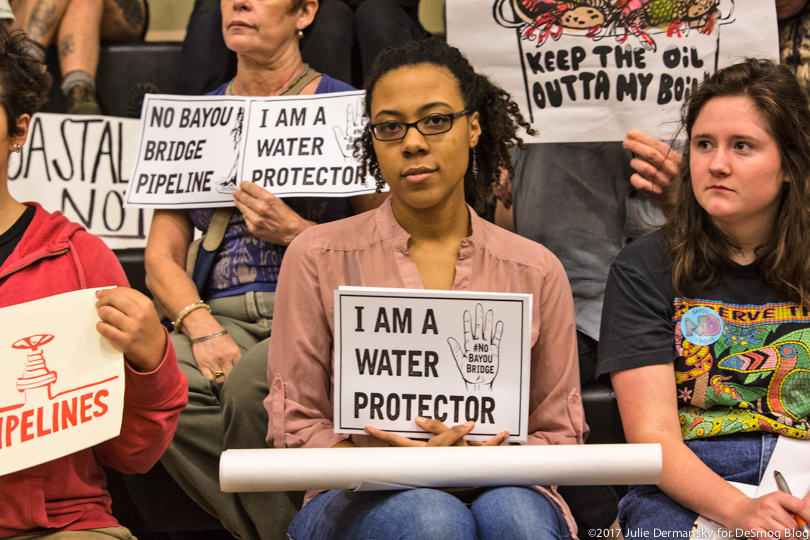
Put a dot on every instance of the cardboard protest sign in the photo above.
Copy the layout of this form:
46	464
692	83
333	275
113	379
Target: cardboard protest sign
590	70
188	152
65	386
194	152
450	355
302	145
80	165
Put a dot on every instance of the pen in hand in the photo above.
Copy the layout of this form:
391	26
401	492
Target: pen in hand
783	487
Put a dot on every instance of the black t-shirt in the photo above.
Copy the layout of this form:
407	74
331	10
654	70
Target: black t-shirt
741	354
12	237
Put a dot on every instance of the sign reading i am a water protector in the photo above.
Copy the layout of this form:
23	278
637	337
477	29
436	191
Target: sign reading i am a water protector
450	355
194	152
80	165
303	145
590	70
63	388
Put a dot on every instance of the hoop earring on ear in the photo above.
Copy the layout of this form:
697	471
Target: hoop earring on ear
300	34
474	165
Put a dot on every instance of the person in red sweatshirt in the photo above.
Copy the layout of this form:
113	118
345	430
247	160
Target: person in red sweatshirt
44	254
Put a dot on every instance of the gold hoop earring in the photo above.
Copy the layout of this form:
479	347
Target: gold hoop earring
300	34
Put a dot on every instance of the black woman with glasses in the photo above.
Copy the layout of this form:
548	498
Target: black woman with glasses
437	130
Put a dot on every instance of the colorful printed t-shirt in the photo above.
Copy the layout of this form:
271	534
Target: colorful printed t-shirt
741	353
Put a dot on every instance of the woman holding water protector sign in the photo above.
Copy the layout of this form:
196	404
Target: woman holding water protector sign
705	323
437	131
221	328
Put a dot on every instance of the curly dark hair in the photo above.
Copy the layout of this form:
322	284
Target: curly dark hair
499	115
700	251
24	83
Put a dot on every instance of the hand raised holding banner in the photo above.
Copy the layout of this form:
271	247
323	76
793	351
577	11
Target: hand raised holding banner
478	361
655	161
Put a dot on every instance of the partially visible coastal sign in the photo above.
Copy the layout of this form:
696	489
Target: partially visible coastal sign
80	166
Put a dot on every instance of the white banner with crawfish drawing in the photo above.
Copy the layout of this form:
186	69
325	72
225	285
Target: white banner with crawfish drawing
590	70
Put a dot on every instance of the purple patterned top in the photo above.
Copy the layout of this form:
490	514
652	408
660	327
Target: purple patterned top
246	263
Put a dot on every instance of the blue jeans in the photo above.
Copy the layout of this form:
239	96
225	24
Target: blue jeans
741	457
499	513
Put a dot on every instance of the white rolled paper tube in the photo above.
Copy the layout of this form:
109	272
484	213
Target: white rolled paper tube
305	469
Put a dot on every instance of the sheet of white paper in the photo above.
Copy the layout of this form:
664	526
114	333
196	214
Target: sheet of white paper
194	151
451	355
80	166
706	528
627	66
347	468
790	458
64	389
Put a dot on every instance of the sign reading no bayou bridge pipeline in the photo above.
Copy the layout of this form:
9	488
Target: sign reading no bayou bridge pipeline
194	152
590	70
449	355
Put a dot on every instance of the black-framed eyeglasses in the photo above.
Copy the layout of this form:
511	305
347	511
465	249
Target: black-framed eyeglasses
435	124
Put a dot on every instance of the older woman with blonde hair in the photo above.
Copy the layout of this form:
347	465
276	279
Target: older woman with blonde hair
221	328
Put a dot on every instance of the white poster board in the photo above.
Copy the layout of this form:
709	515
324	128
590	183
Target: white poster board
790	459
194	151
591	70
80	166
64	384
450	355
378	469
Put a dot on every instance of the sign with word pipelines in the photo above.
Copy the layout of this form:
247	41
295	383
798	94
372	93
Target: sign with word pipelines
590	70
449	355
194	151
79	165
64	388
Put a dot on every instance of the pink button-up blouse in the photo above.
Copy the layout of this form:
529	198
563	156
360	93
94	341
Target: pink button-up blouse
371	250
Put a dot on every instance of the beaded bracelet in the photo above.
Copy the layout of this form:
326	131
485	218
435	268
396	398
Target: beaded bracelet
183	314
209	336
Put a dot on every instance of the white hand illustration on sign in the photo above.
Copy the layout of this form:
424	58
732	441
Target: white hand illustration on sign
354	129
478	360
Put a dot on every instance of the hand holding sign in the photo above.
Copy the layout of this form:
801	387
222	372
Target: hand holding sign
478	361
442	435
130	323
354	129
268	217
